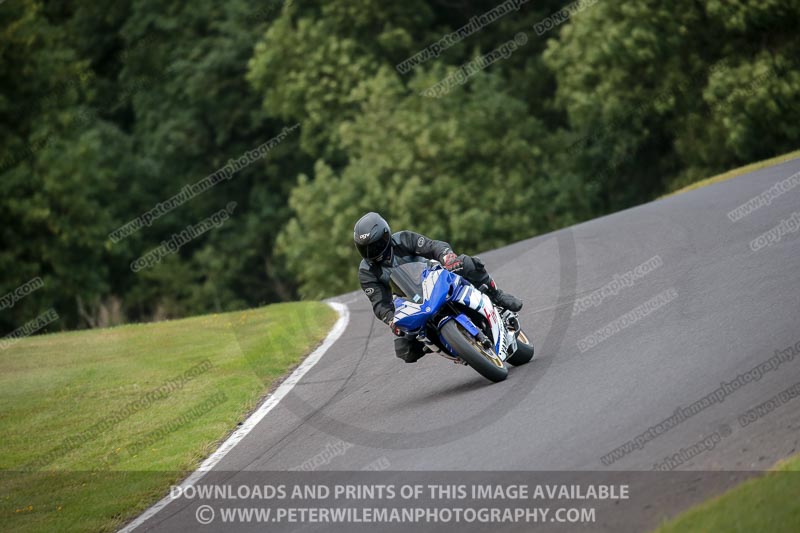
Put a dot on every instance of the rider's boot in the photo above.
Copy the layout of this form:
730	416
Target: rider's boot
409	349
503	299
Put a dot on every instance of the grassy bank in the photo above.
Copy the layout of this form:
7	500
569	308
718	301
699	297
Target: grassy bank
768	503
737	172
97	424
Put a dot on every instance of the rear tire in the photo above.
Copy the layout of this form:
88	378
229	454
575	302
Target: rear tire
524	351
467	348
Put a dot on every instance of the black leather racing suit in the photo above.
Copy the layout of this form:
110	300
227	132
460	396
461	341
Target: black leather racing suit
408	247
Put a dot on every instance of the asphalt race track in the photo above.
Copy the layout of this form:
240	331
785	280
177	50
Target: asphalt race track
720	310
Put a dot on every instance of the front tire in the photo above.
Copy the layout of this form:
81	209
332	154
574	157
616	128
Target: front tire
524	351
476	356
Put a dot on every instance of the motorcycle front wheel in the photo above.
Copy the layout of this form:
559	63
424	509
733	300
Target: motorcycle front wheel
484	361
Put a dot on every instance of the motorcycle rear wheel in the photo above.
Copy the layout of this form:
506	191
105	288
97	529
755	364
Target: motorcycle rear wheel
524	351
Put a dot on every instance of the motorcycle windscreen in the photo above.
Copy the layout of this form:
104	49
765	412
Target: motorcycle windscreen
406	281
435	289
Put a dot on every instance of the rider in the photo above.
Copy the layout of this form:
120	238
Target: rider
382	251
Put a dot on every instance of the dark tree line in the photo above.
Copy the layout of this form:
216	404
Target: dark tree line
109	108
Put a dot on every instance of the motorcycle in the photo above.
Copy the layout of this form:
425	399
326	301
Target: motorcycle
457	321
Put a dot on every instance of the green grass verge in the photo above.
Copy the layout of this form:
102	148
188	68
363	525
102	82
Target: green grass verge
142	404
737	172
769	503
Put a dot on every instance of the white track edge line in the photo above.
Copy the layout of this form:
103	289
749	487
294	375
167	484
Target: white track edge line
269	403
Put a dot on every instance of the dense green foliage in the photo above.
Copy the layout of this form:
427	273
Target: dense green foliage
108	110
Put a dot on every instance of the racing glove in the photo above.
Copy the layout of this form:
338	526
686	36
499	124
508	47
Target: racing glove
396	330
451	262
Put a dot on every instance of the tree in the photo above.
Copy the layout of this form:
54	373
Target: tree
461	168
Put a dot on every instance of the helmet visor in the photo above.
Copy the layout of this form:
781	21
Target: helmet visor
375	250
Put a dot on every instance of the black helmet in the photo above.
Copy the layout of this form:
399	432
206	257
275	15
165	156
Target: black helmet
373	237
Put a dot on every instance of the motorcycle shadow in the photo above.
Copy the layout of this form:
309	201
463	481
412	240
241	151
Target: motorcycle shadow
448	393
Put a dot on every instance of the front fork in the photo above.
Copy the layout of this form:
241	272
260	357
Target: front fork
504	325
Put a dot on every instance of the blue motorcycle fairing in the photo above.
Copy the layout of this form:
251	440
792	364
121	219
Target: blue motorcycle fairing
466	293
437	287
462	319
468	325
474	299
410	316
465	321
